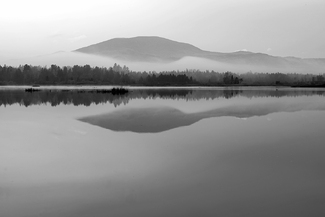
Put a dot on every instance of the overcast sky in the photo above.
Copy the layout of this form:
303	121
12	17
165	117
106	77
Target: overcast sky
275	27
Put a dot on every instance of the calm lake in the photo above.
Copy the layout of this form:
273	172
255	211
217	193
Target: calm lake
245	151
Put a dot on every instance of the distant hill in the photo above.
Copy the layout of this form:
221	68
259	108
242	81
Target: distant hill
147	49
152	49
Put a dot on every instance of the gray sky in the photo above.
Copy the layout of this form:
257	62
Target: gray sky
277	27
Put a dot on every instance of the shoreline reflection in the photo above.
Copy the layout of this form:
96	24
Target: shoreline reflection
87	98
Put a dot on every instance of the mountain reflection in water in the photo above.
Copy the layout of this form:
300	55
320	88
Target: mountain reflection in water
153	120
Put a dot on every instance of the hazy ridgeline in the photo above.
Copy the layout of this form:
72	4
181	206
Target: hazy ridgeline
88	97
117	75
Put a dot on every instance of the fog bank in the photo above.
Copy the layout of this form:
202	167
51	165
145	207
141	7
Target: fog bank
75	58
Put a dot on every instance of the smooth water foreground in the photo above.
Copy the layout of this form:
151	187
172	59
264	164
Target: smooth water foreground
162	152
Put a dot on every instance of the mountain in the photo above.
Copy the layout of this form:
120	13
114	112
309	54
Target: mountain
152	49
147	49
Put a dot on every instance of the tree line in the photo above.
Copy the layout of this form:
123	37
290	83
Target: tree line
117	75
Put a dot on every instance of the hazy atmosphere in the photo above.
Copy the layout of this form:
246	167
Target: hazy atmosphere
162	108
280	28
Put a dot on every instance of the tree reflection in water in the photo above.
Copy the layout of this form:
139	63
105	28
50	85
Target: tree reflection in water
88	97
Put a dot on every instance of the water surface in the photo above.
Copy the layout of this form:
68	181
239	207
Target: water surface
162	152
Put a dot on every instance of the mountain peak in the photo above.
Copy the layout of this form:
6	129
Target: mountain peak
142	48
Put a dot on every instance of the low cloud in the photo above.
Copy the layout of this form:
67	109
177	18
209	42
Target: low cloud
76	58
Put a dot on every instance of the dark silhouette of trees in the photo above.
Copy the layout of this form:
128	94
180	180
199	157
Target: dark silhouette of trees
231	78
117	75
18	77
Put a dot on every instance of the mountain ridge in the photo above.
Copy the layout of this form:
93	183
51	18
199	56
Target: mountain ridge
154	49
142	48
140	42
